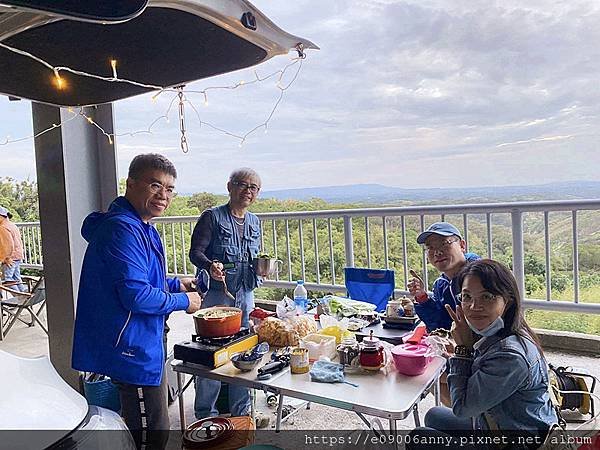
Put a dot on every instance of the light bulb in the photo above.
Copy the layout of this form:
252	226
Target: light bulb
59	82
113	64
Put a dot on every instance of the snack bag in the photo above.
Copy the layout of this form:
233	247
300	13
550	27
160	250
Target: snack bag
277	333
303	325
337	328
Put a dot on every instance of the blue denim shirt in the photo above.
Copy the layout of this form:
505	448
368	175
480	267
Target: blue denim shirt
508	380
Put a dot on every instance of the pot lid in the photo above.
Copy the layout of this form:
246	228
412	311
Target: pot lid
371	342
410	350
208	432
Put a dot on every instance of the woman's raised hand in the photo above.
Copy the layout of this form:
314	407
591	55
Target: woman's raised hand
461	333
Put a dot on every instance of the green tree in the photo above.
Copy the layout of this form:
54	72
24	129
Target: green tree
20	197
203	201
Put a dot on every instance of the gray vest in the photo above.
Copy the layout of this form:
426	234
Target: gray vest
227	246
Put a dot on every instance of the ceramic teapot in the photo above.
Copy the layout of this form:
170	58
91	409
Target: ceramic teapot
371	356
394	309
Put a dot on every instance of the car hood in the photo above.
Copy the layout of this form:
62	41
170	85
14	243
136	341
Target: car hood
35	397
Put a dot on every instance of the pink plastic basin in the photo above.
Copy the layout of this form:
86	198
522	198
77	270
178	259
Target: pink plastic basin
410	359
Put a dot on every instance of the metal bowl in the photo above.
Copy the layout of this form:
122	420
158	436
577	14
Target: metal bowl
245	365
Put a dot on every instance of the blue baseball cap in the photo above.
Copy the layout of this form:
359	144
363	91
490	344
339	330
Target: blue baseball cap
439	228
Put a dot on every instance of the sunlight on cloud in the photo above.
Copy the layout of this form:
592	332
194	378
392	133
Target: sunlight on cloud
539	139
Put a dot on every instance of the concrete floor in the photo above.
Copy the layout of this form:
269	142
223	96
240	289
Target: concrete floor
32	341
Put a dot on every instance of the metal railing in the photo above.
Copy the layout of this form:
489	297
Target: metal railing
316	245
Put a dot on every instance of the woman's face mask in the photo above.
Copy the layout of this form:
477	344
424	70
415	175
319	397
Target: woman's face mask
490	330
483	310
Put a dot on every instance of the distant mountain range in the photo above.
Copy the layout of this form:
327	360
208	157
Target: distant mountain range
380	194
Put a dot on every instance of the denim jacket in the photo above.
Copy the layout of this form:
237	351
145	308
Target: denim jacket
507	380
227	247
432	311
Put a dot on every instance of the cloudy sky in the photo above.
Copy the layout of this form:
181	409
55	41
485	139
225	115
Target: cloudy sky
421	93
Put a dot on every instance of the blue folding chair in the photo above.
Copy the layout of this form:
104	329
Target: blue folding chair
374	286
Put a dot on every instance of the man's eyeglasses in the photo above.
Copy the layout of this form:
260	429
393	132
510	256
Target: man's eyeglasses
486	298
243	186
443	246
157	187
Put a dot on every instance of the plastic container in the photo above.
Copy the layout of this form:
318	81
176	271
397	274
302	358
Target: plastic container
301	296
410	359
319	345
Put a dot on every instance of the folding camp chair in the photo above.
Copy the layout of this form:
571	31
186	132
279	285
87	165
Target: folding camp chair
374	286
17	302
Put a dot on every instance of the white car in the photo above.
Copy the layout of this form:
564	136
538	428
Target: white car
40	410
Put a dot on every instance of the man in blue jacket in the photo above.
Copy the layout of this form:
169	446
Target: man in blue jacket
445	249
125	298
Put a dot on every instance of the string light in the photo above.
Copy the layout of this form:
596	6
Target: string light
61	84
8	140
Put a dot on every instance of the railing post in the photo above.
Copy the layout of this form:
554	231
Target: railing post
348	241
518	253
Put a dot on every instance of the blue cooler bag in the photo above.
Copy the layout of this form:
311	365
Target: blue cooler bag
102	392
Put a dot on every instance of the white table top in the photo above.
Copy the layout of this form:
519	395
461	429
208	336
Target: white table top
391	396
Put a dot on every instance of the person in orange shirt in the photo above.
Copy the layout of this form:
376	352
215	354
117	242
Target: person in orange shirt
11	261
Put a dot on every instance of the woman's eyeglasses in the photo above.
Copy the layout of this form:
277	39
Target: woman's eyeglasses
243	186
486	298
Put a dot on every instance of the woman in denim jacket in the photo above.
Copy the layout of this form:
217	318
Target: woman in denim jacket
498	377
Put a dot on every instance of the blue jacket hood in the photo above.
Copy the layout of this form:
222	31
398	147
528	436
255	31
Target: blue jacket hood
120	206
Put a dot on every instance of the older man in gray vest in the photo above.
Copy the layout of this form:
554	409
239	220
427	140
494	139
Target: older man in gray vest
225	240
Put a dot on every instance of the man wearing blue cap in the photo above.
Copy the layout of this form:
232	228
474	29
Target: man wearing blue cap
445	249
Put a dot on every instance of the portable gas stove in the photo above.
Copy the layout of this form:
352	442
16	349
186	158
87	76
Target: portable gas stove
214	352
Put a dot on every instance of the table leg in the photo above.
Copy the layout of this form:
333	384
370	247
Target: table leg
279	414
394	432
416	415
253	405
436	391
180	400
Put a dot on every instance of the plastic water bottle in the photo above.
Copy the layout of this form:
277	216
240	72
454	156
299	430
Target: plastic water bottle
300	296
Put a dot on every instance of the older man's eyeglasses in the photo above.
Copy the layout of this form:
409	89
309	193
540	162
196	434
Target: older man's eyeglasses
243	186
156	187
442	247
486	298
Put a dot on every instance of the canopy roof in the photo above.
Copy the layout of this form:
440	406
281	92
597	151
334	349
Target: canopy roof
169	44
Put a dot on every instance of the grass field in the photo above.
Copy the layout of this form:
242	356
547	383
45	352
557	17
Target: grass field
554	320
